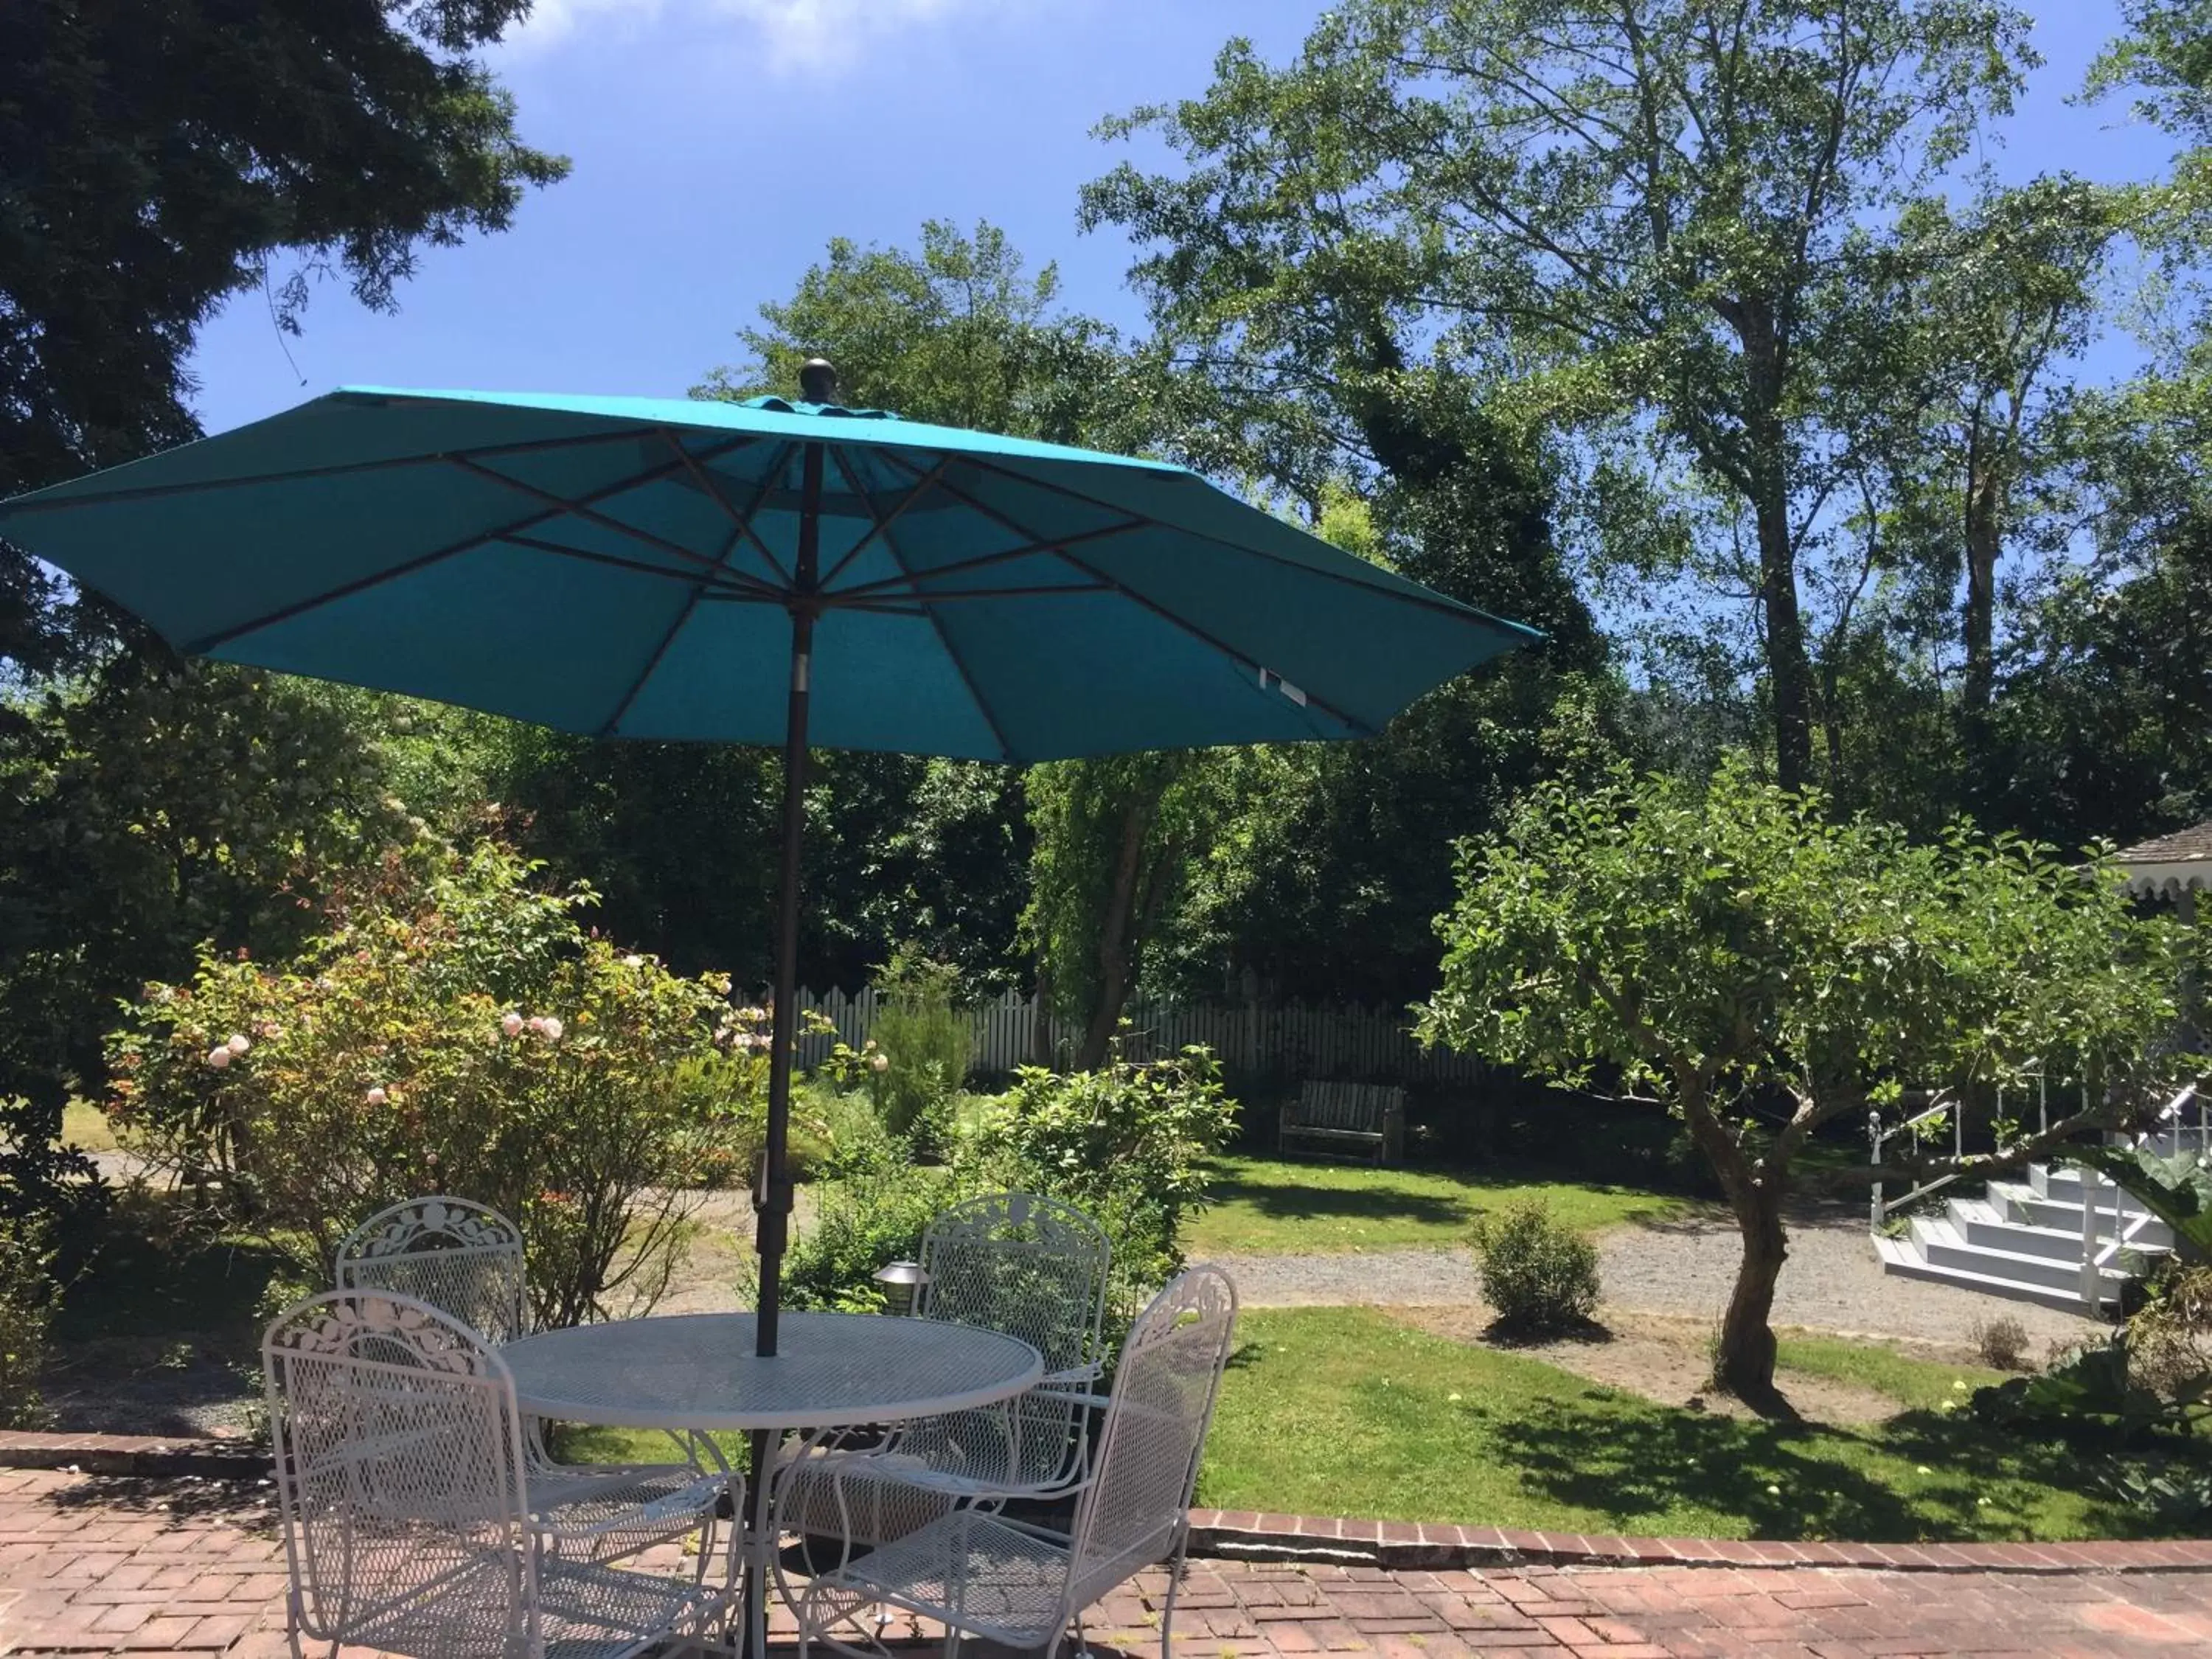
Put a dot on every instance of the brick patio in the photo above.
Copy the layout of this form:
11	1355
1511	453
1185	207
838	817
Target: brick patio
146	1566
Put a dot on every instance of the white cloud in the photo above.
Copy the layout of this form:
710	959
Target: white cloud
792	35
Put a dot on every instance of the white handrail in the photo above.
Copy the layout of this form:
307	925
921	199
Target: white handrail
2094	1259
1944	1101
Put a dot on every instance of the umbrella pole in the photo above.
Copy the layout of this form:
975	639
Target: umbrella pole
772	1199
772	1202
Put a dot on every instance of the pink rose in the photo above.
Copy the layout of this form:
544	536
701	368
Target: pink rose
219	1057
511	1024
879	1062
551	1028
238	1044
378	1095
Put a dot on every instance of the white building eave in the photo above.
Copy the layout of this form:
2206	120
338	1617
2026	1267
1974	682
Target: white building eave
2169	880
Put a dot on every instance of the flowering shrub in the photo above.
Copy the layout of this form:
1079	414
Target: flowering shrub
454	1029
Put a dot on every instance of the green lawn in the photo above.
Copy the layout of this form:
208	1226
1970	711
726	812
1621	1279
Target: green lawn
1341	1411
1270	1204
86	1127
1918	1385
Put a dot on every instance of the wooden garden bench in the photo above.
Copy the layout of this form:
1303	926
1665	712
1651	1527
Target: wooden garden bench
1339	1115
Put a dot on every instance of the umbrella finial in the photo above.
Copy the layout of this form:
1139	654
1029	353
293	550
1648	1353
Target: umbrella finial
817	381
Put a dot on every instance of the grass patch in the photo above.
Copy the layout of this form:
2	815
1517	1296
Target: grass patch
589	1442
86	1127
1275	1205
1342	1411
1916	1384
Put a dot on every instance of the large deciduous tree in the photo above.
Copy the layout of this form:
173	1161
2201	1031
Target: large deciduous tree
1647	212
1765	970
159	156
1977	316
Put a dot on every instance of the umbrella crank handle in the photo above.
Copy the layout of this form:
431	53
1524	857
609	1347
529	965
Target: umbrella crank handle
772	1201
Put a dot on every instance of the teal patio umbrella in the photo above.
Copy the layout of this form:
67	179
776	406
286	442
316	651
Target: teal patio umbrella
754	573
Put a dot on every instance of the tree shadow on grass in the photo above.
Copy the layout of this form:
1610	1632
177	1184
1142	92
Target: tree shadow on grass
1637	1467
1290	1201
1499	1333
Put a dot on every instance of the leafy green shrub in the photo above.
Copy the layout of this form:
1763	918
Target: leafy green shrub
26	1312
1129	1145
1538	1275
2094	1397
923	1038
453	1029
836	1134
2170	1494
864	1222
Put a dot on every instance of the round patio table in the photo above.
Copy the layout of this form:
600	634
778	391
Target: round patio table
698	1373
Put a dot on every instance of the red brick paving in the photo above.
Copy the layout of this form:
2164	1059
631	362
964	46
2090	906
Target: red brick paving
112	1565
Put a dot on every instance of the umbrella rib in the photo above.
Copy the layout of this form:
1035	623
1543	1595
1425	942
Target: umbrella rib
882	526
930	596
639	568
743	521
1223	647
1029	551
335	470
740	526
607	521
1437	603
377	579
951	651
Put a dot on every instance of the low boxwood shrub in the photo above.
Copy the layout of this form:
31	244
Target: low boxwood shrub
1539	1274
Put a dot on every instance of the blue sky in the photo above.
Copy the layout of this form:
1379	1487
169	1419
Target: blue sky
718	144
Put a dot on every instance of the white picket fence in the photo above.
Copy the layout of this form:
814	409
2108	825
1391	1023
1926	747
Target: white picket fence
1293	1040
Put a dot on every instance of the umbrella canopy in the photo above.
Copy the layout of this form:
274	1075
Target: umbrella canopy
752	572
627	567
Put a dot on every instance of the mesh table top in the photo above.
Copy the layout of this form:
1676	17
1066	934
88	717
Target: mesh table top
699	1371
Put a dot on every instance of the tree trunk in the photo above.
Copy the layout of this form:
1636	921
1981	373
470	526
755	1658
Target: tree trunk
1745	1363
1788	671
1985	536
1041	1051
1115	946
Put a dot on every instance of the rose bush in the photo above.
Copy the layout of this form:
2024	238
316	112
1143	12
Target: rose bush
454	1028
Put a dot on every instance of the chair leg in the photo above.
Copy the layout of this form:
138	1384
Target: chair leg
1167	1608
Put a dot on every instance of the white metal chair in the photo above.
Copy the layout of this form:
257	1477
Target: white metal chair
1029	1266
466	1259
410	1524
1022	1585
462	1258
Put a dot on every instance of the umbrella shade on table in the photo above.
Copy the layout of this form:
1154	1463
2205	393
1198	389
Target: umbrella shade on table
754	573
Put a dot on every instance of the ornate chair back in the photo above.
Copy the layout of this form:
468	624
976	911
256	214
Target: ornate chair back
1136	1508
462	1258
1029	1266
400	1476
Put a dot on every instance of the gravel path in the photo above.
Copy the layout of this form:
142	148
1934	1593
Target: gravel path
1833	1281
